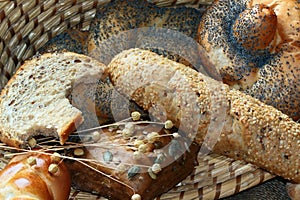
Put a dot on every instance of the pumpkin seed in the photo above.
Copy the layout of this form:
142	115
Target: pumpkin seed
160	158
134	170
107	156
175	149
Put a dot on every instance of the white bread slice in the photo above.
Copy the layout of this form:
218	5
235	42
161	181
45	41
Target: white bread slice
34	102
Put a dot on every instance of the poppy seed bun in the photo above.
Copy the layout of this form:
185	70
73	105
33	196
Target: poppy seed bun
126	24
256	51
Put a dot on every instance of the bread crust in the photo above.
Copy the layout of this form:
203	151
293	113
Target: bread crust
293	191
252	131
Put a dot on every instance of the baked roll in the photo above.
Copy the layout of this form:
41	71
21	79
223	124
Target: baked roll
255	46
35	176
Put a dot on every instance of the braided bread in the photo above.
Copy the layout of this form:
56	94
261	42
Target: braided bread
255	46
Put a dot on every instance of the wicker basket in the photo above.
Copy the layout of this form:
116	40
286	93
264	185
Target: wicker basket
26	25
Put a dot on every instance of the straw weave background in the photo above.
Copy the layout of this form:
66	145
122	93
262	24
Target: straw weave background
26	25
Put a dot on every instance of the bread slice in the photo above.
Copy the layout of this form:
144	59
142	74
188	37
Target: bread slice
34	102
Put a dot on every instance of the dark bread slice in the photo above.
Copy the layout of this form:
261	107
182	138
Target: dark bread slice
120	167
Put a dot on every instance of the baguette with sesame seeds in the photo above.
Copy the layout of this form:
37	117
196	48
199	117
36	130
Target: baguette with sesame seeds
251	130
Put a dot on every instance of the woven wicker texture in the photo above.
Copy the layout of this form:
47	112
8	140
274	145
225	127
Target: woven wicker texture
26	25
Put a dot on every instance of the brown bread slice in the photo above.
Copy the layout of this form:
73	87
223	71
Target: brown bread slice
123	165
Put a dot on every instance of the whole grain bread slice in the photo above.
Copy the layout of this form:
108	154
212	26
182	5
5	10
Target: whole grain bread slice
34	102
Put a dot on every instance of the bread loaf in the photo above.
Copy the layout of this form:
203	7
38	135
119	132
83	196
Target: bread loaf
34	102
293	191
255	46
252	131
35	177
143	160
125	24
72	40
70	90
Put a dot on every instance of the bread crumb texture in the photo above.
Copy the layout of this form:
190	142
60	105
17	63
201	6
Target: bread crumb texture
34	102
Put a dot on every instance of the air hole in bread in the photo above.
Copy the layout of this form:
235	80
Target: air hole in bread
77	61
12	102
8	118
